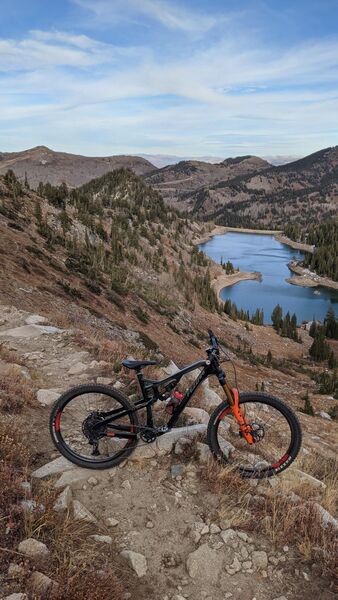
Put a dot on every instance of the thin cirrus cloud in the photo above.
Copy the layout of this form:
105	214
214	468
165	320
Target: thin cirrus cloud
77	90
41	49
167	14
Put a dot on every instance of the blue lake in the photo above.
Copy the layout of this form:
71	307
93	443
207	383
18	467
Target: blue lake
254	252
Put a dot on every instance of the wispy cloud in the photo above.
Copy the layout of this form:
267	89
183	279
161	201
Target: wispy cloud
41	49
226	91
168	14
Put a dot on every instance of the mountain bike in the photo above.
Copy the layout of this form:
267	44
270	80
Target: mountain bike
97	427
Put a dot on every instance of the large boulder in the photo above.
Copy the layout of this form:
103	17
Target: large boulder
197	415
30	331
297	476
58	465
166	442
143	451
35	320
211	399
47	397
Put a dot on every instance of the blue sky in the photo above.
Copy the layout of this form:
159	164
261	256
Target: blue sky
190	78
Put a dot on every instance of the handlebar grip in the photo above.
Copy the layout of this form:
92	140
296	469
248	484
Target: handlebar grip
213	339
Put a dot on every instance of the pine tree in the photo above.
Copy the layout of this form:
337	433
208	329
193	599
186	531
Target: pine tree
332	361
331	324
308	408
320	349
277	317
38	212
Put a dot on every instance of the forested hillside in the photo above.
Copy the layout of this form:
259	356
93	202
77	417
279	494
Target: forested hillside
111	238
324	259
304	191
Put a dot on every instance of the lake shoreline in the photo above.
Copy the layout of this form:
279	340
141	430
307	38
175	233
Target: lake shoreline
283	239
223	281
220	229
303	278
307	278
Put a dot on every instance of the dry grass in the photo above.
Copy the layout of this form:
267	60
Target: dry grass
326	470
81	567
233	491
271	511
14	463
300	523
16	392
9	356
77	564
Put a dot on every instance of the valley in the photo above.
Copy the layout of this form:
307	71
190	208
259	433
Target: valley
108	269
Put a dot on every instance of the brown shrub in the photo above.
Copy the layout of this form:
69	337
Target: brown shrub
9	356
84	584
14	461
16	392
300	523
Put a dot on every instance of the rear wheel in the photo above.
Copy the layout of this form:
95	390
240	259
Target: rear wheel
276	430
79	432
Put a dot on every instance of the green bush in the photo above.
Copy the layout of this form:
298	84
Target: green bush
147	342
116	299
93	287
141	315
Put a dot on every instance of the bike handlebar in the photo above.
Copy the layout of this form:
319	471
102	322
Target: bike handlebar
213	340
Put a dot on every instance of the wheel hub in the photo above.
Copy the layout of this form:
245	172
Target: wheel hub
257	432
88	427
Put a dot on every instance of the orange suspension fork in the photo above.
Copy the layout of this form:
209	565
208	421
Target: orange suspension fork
233	399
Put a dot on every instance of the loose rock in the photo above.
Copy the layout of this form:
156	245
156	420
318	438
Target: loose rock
39	583
64	500
137	561
33	548
105	539
82	513
204	565
259	559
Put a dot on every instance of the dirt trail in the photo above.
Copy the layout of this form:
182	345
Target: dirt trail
157	507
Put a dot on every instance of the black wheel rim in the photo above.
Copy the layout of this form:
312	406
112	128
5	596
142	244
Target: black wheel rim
274	439
77	427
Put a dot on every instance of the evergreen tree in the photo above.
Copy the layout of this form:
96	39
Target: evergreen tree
277	317
320	349
269	357
331	324
308	408
332	361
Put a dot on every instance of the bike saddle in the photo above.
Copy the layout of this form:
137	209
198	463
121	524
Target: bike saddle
138	364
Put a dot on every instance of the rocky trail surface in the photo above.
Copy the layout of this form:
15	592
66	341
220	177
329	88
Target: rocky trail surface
174	529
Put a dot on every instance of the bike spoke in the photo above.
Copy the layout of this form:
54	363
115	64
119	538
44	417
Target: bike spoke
82	438
275	438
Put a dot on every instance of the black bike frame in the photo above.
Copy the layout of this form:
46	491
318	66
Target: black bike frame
151	393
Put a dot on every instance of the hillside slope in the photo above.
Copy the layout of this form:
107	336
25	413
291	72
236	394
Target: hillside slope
249	192
46	165
177	182
116	273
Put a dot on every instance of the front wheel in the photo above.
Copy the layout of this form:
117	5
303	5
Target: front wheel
94	426
276	431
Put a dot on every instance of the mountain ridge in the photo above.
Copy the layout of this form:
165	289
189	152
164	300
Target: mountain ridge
40	163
